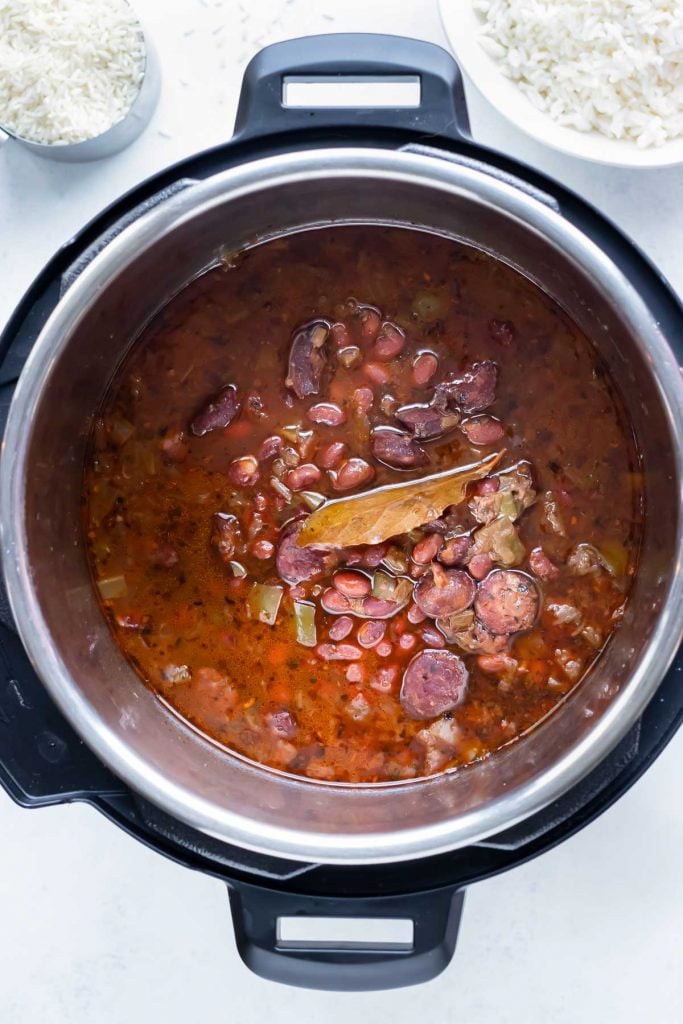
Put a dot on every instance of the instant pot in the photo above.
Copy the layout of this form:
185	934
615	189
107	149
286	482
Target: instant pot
76	723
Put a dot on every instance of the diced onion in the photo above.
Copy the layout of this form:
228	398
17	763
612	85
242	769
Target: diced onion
312	499
238	570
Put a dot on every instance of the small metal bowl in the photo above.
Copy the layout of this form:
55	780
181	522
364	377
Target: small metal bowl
120	135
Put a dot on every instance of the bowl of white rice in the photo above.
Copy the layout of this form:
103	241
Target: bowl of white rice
78	79
599	79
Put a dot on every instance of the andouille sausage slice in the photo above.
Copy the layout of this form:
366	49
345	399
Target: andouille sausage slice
307	358
507	601
218	412
434	682
396	449
295	564
444	592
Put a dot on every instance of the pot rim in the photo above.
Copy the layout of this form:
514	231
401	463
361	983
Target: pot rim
252	176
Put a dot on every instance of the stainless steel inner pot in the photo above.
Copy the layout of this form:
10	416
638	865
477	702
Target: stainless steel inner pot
47	576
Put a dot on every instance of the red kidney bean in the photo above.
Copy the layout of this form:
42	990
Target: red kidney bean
377	373
489	485
243	472
378	608
426	550
407	641
432	637
351	584
218	412
416	615
262	549
354	473
542	566
482	430
424	368
340	628
455	551
175	447
502	331
480	566
496	663
338	652
444	592
332	455
307	358
327	413
334	602
434	682
426	422
362	399
397	449
370	322
355	673
373	554
473	390
418	571
340	335
384	649
385	678
507	601
390	342
370	633
302	477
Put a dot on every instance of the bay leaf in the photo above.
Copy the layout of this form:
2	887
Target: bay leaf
374	516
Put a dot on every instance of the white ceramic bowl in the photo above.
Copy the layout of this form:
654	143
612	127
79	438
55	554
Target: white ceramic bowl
462	26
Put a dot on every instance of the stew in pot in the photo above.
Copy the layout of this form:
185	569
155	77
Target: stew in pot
362	504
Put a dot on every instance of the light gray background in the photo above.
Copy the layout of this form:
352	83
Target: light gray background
93	927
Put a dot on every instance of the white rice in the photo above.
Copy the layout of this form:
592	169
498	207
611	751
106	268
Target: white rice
608	66
69	69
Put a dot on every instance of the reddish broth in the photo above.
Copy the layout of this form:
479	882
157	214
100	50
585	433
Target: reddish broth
202	454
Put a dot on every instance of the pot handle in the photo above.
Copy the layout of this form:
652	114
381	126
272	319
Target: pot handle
356	62
279	937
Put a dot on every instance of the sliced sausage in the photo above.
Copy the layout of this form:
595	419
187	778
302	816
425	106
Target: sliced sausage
507	601
396	449
444	592
307	358
427	421
434	682
473	390
295	564
219	412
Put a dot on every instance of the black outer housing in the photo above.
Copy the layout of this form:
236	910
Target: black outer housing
43	761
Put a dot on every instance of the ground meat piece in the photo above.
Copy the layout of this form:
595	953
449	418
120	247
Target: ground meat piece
471	635
502	331
514	493
226	536
541	565
507	601
434	682
396	449
483	430
295	564
440	743
307	358
585	560
282	723
444	591
500	541
219	412
473	390
427	421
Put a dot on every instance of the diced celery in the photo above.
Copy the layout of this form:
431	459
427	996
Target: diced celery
304	616
263	602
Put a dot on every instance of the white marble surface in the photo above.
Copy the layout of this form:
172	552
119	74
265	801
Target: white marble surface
96	928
